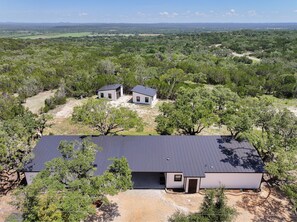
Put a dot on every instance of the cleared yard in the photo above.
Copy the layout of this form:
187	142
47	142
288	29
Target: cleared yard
61	122
157	205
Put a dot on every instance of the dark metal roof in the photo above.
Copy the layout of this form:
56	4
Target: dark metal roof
144	90
110	87
191	155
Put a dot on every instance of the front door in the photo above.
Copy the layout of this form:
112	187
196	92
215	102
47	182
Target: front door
192	185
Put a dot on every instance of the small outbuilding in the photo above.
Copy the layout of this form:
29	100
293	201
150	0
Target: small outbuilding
111	92
143	95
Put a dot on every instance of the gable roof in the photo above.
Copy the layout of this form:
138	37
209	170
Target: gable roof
192	155
110	87
144	90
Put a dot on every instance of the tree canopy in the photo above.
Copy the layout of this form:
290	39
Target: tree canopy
189	114
165	62
105	118
19	129
67	189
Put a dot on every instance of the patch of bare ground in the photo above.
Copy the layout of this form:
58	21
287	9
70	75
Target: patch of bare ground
271	206
293	110
66	110
157	205
6	207
35	103
143	205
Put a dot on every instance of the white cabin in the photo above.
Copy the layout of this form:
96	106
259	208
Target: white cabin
143	95
111	92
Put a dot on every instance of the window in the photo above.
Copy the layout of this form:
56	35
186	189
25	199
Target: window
178	177
146	99
138	98
102	95
109	95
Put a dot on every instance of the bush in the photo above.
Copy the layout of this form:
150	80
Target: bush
58	99
213	208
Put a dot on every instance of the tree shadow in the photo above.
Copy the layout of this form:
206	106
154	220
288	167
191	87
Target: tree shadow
10	182
267	209
105	213
240	156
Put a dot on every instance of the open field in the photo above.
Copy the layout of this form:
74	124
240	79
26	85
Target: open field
55	35
39	35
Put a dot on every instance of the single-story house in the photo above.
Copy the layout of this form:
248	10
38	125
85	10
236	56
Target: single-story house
143	95
158	162
112	92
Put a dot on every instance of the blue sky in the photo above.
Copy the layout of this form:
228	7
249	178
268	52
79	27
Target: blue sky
148	11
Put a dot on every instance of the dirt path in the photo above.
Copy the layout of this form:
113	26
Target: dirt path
247	54
35	103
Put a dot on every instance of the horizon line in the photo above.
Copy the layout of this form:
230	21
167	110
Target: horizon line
148	22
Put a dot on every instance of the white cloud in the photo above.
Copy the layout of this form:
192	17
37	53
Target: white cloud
168	14
231	12
295	11
81	14
164	13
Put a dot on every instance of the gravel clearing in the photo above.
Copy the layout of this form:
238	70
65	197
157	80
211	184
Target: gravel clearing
157	205
149	205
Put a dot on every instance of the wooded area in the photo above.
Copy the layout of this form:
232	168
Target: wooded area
240	69
163	62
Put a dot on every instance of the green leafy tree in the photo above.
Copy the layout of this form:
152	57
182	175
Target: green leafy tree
238	117
19	129
10	107
192	111
67	189
276	143
106	118
172	78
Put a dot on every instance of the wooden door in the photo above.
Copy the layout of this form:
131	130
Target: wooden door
192	188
